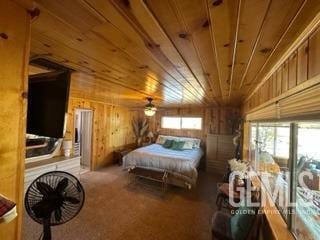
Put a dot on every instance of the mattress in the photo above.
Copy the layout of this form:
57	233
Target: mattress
182	164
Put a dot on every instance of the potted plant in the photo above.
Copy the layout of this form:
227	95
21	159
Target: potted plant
140	129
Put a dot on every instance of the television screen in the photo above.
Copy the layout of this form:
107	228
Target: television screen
47	103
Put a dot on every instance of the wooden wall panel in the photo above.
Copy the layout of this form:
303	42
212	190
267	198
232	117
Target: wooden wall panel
302	64
292	77
112	128
274	84
279	81
285	75
314	54
14	55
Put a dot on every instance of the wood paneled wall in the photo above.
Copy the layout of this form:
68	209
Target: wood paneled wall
300	70
14	55
112	128
215	121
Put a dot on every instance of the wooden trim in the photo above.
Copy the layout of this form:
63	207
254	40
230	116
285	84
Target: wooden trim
215	49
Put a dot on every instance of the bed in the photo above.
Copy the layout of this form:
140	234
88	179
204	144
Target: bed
180	167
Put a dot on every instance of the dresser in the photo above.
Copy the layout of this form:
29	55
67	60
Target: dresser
220	149
35	169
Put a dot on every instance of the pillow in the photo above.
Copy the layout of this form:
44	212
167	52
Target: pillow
241	222
167	143
190	143
177	145
161	139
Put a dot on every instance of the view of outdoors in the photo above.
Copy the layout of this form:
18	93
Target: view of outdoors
182	123
270	155
306	222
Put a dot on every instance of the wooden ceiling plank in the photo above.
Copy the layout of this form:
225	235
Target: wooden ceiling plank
235	44
75	65
71	39
154	36
183	22
223	22
282	14
257	39
180	52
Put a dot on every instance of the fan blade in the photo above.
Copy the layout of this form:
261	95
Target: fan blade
42	209
72	200
62	185
57	214
44	188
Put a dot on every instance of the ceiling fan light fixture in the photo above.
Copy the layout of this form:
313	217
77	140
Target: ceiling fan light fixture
150	109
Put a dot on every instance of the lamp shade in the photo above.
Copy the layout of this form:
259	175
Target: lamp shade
149	112
150	109
67	144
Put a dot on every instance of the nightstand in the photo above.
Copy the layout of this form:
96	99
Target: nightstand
119	154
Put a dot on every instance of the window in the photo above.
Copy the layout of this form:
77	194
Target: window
280	151
182	123
191	123
305	223
171	122
272	160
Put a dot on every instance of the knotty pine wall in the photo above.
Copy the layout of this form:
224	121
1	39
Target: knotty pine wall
112	128
14	55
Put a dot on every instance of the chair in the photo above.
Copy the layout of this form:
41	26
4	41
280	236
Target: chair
235	227
222	200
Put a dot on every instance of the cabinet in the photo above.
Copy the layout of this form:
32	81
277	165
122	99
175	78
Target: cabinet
66	164
220	149
119	154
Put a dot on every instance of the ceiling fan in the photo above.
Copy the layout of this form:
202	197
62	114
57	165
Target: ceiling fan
150	109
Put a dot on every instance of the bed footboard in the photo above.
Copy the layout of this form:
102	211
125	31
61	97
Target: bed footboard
163	177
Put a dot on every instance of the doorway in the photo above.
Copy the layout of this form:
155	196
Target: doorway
83	137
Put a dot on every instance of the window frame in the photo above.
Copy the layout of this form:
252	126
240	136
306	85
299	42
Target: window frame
181	128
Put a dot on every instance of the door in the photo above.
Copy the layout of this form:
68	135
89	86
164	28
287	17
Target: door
86	138
83	136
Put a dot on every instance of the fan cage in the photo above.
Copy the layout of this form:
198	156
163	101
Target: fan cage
68	210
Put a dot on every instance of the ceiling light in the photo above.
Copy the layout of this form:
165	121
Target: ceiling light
150	109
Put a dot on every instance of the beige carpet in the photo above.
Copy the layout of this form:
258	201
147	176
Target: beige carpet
117	207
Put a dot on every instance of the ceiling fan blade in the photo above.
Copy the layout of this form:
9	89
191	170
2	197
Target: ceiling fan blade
72	200
62	185
44	188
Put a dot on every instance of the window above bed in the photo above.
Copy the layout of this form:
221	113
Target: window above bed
194	123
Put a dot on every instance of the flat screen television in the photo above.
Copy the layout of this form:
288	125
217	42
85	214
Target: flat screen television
48	103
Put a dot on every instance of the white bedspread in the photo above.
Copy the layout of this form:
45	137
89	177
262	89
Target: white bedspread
155	157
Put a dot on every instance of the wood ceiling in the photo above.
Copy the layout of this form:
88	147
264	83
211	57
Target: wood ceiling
180	52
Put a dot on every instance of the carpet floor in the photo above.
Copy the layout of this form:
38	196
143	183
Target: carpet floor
119	207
